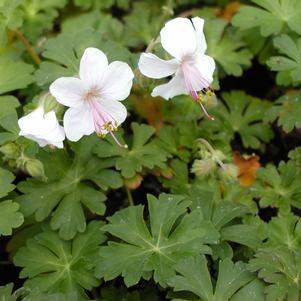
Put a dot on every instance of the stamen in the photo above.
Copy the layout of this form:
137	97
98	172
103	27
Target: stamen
109	126
191	72
116	140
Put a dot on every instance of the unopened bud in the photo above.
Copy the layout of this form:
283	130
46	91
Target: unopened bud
50	104
202	167
10	150
35	168
229	171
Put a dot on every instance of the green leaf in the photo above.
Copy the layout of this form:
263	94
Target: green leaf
71	185
272	16
288	66
143	152
285	231
195	277
38	16
64	53
220	41
14	74
55	265
242	114
280	187
6	293
172	234
253	291
6	179
8	115
287	111
10	217
279	267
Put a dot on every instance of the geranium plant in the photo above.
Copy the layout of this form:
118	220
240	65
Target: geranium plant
150	150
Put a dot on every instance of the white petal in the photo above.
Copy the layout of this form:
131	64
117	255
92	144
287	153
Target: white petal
117	81
42	128
176	86
68	91
78	122
178	38
114	111
92	66
198	24
206	66
152	66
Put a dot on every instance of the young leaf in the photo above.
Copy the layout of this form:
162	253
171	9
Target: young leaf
143	152
271	16
287	111
288	66
242	114
55	265
281	268
10	217
279	188
70	186
195	277
172	234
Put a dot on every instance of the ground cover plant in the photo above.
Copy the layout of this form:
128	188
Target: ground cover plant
150	150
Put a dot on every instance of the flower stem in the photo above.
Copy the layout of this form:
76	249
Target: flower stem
129	195
28	47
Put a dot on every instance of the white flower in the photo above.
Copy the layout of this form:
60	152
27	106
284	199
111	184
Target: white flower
42	127
191	68
94	98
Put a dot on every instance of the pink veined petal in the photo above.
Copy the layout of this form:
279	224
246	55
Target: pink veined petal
206	66
78	122
176	86
117	81
178	38
152	66
69	91
111	113
93	65
198	24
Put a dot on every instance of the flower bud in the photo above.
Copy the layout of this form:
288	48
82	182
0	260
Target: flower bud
10	150
35	168
50	104
203	167
229	171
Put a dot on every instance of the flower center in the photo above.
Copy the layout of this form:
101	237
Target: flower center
195	82
104	122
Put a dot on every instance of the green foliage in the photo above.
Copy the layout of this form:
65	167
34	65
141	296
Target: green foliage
279	267
195	277
55	265
289	65
221	41
143	152
64	52
287	111
242	114
154	249
272	16
193	231
280	187
69	187
14	75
